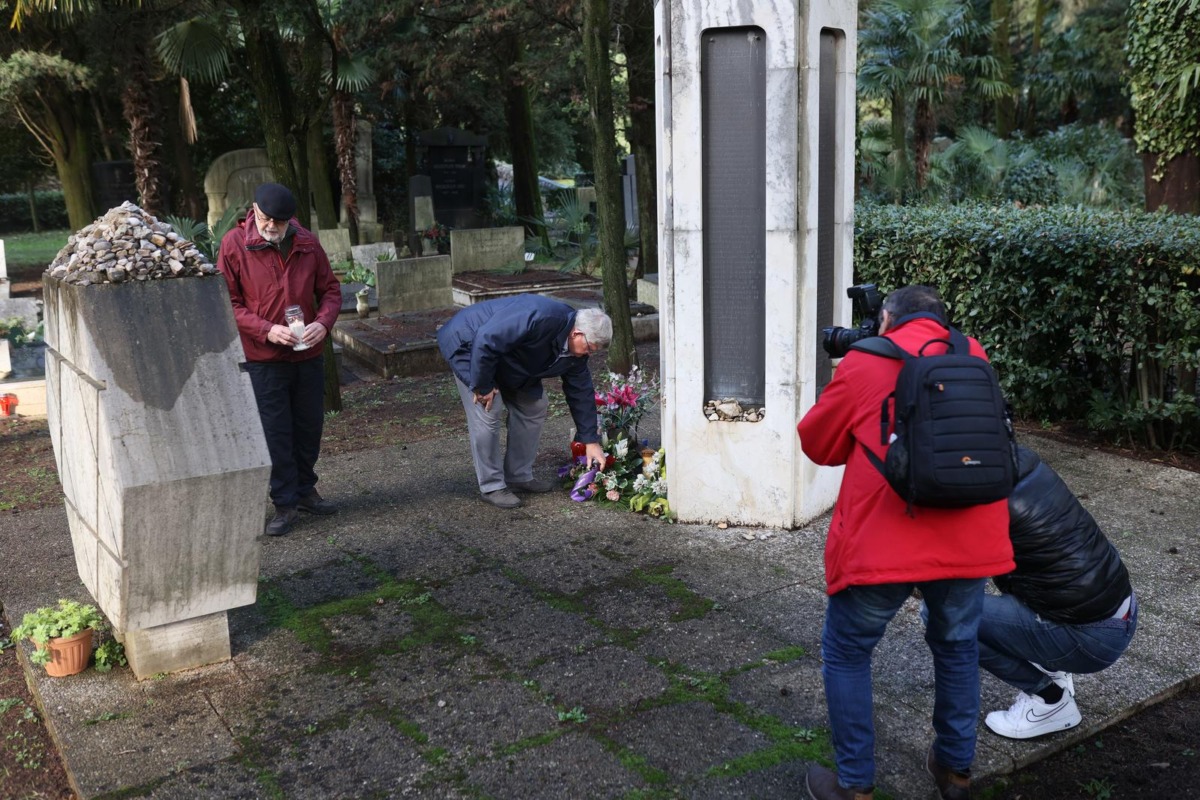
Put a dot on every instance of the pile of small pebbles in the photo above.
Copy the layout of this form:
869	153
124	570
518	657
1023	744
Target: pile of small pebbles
731	411
127	244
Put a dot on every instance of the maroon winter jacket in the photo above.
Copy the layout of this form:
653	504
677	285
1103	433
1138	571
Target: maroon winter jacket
262	285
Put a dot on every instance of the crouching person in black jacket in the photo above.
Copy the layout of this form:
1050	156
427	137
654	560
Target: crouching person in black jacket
1068	606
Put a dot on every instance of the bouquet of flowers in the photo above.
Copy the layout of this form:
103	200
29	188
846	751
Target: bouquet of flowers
630	476
622	401
438	234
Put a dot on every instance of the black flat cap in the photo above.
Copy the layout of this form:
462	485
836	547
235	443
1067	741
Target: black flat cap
275	200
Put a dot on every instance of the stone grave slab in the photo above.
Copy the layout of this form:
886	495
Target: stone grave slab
414	284
336	243
475	287
368	255
395	345
476	249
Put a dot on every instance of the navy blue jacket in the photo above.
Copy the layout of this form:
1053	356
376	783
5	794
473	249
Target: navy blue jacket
512	343
1067	571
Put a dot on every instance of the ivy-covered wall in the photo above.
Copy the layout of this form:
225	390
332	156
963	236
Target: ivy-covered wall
1163	50
1086	314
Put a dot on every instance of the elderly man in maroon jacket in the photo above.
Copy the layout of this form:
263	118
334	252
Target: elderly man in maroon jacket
877	552
271	262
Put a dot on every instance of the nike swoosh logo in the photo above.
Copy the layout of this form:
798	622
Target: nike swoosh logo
1033	716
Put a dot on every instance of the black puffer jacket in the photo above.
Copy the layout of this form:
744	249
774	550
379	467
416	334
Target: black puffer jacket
1067	571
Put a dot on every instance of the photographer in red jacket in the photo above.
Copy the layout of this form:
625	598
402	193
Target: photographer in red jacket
270	263
876	554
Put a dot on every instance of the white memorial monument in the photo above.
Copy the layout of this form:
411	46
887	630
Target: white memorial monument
157	440
755	105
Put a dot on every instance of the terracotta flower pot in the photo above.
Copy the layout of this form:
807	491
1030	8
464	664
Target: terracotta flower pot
69	655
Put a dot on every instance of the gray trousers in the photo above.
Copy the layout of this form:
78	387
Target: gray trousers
526	416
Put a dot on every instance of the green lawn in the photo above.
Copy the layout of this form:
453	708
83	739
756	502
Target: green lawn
29	254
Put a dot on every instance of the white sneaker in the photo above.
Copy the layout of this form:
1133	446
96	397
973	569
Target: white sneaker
1030	716
1063	679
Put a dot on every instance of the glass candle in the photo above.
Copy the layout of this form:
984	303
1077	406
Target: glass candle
294	318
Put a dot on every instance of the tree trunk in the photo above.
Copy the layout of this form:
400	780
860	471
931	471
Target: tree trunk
345	135
145	132
1179	190
597	21
1002	52
923	128
318	176
73	166
899	141
272	85
186	191
1035	49
333	385
527	194
33	215
639	61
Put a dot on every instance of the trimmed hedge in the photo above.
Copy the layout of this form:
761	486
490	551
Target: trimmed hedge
1086	314
14	212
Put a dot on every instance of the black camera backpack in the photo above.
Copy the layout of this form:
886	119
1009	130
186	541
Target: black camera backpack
953	444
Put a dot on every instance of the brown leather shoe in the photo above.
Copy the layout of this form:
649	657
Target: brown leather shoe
823	784
951	785
285	517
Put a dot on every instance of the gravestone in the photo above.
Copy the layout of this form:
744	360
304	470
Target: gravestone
23	308
232	179
336	244
453	159
647	289
368	255
414	284
158	445
629	192
755	177
476	249
421	216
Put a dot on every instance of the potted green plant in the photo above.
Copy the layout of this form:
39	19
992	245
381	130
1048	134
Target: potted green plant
62	634
360	274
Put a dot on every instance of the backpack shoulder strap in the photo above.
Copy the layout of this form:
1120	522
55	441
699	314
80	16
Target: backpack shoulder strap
958	343
880	346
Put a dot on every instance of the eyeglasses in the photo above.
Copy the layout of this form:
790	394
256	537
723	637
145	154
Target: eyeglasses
591	348
267	220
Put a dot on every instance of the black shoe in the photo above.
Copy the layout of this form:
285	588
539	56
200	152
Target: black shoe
951	785
501	498
313	503
285	517
823	784
533	485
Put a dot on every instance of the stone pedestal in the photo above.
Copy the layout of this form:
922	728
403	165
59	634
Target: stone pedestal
755	109
162	460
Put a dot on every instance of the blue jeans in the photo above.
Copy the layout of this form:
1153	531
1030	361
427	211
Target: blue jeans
1011	635
854	622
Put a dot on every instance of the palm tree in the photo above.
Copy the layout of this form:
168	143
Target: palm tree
918	53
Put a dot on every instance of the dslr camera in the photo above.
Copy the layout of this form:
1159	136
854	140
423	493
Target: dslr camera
867	304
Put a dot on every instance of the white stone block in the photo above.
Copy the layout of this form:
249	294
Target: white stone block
162	456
